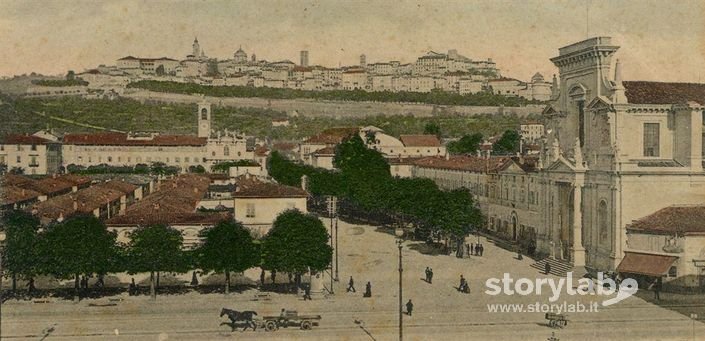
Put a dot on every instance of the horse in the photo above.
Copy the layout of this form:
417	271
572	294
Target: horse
247	316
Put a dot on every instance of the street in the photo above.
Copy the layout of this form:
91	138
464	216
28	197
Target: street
366	254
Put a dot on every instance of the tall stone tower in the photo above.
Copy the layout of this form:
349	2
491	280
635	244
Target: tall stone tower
304	58
196	48
204	119
363	61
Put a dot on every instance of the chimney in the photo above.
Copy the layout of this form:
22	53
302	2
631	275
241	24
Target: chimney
75	205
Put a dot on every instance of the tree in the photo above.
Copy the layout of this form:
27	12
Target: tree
227	247
196	169
160	70
3	168
80	245
153	249
432	128
508	143
467	144
296	243
17	170
21	247
71	75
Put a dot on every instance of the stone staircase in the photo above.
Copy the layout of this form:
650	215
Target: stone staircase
559	267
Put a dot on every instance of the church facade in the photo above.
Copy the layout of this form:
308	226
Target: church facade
615	151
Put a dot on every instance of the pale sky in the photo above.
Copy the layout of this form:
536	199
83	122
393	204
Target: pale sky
660	40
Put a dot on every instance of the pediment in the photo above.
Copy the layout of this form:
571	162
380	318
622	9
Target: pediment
599	103
512	167
561	165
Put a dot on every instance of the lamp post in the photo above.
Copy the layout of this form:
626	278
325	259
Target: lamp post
399	232
693	317
2	241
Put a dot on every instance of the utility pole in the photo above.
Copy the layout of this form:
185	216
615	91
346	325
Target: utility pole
401	317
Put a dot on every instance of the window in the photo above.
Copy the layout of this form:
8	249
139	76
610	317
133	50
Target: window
33	161
581	122
226	151
250	211
19	148
2	146
34	147
204	114
110	159
673	272
19	159
651	139
187	159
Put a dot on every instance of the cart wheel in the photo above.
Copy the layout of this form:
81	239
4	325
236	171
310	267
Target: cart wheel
270	326
306	325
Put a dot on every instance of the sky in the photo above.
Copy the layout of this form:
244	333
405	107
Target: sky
660	40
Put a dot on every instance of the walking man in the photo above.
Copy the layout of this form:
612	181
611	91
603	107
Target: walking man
368	290
351	285
656	286
428	280
482	250
307	292
477	249
471	251
430	276
409	307
467	249
547	268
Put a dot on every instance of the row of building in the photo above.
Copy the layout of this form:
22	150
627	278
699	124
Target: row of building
450	72
45	153
618	182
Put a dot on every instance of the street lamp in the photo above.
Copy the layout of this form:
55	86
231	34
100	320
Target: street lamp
694	317
399	232
2	240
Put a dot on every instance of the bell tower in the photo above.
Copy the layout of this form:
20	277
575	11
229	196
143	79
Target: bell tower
204	119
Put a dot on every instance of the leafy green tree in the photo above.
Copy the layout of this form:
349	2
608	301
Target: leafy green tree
154	249
508	143
227	247
353	158
224	167
467	144
17	170
80	245
196	169
432	128
296	243
71	75
3	168
160	70
21	247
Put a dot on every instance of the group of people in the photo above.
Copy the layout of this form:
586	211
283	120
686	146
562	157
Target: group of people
429	275
474	250
368	288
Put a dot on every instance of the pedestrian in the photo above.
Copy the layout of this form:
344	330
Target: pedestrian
427	275
472	250
368	290
467	249
463	284
351	285
482	249
430	276
409	307
656	287
307	292
477	249
30	286
547	268
133	287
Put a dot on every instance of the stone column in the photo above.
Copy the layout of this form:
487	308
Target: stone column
578	251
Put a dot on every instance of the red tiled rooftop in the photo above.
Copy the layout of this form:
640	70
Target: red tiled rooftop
120	139
24	139
420	140
12	194
640	92
672	219
463	163
251	187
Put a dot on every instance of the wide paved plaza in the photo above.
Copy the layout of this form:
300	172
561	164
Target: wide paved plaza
367	254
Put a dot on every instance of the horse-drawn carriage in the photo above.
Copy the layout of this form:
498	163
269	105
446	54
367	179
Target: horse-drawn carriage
288	318
556	320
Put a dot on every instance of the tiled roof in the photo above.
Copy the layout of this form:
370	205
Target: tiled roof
640	92
13	194
672	219
174	202
261	150
251	187
463	163
645	264
51	185
420	140
24	139
82	201
120	139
